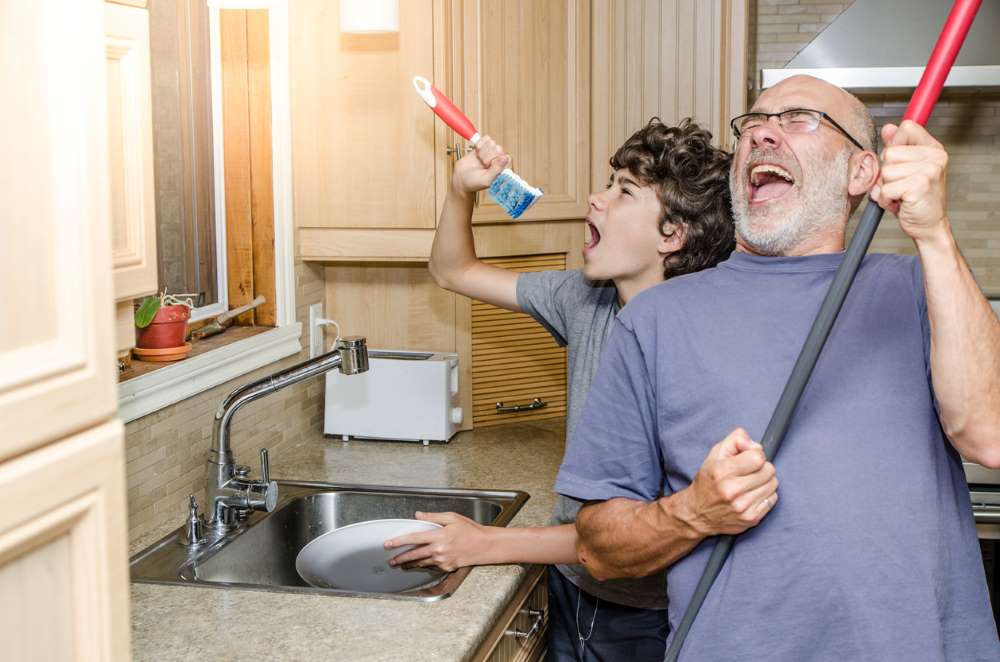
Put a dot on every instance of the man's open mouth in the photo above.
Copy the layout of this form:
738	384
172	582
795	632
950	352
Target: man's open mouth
595	236
769	182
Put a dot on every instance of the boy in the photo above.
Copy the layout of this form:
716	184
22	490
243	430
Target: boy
665	212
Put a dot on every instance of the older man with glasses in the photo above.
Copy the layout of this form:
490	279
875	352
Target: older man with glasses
871	553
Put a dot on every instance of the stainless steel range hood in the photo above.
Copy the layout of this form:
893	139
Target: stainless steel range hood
884	44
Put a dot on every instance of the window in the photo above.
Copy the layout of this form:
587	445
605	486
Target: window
222	144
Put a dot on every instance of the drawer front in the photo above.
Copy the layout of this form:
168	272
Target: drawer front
520	636
515	361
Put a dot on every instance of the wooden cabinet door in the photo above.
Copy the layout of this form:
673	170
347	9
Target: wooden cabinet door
63	556
364	142
521	71
130	147
56	347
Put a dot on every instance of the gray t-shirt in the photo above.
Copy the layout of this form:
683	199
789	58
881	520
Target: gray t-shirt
871	553
580	314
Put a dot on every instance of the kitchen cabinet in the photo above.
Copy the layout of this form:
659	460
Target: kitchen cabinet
62	524
518	369
521	70
372	162
130	148
519	634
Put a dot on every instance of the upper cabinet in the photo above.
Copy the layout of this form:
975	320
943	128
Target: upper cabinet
369	155
130	140
521	71
364	143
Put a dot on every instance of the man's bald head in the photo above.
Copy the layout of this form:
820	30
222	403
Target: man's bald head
818	94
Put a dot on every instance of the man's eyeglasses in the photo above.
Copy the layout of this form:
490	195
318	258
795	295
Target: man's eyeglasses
793	120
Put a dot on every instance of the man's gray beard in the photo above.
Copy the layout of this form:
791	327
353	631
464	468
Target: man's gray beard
824	203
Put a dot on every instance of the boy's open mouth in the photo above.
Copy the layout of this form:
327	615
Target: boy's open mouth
595	236
769	181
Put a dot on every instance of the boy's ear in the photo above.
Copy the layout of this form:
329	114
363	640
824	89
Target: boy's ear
671	238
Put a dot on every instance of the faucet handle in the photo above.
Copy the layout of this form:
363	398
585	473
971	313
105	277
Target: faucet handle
265	467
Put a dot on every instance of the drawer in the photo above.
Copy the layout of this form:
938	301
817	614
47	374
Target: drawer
519	635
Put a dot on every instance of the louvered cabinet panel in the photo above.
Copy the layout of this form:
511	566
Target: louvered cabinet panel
514	359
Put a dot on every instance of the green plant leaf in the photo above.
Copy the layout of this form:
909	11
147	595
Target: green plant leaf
147	311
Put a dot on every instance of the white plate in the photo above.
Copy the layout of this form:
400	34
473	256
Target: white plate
353	558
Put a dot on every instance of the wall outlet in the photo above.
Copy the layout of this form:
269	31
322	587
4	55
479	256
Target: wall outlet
316	334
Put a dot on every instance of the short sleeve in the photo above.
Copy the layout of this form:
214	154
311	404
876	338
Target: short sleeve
539	294
615	451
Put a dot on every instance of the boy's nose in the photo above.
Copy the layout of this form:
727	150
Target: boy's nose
597	200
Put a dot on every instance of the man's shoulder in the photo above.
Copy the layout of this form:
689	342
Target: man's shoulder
664	299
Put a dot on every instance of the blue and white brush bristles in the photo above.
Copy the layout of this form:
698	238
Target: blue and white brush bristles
513	193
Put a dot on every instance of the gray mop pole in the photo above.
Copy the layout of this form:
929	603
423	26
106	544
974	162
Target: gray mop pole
919	109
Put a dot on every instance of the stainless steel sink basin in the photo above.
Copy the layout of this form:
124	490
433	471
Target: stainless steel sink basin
261	553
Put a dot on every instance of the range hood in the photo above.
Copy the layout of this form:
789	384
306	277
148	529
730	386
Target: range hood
884	44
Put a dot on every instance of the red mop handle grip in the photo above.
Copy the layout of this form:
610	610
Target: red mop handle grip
943	56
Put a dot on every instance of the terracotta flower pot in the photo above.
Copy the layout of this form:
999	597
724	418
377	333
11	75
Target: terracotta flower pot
167	329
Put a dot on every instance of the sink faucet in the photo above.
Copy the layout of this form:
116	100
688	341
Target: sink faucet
228	491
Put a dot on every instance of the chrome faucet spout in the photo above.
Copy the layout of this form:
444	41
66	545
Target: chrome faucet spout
228	491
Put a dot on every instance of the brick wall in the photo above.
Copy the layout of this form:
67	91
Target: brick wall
166	450
967	123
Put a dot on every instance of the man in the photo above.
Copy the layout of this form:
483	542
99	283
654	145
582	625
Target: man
665	213
872	552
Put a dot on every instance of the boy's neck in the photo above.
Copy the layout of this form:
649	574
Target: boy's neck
628	288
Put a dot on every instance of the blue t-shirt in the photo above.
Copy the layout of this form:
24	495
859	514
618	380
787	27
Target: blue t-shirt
871	552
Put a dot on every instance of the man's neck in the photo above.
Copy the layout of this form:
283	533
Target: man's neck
818	246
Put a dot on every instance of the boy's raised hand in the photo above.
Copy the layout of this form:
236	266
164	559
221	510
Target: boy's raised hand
476	170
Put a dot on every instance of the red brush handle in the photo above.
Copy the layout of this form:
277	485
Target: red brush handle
445	109
452	116
944	54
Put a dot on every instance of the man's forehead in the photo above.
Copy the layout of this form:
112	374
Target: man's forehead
800	92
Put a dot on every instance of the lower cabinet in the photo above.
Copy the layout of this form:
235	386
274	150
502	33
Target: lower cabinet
518	369
520	633
63	555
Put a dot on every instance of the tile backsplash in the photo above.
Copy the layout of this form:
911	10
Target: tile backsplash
165	452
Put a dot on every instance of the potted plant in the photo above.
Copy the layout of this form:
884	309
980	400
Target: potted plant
161	324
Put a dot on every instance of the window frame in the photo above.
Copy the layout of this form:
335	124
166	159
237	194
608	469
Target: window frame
150	392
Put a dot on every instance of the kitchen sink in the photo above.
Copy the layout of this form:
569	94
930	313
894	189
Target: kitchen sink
260	553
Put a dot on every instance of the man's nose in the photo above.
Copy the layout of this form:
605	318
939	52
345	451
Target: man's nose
767	134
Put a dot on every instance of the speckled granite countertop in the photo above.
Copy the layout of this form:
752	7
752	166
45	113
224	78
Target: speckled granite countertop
181	623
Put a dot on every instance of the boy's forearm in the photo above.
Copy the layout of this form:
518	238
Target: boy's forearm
546	544
627	538
454	247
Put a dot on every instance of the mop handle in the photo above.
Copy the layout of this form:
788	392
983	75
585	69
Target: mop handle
918	110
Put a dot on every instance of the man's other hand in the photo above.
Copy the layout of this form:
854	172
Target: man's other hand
733	490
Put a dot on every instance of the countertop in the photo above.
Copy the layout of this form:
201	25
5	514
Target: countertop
181	623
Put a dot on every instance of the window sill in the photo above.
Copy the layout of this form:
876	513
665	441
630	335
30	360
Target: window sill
155	390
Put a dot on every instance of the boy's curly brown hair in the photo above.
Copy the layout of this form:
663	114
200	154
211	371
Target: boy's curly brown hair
691	179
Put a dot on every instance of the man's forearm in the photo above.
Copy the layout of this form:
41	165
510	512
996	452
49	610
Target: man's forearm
454	247
626	538
965	350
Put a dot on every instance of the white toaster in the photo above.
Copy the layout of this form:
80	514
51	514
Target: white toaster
404	395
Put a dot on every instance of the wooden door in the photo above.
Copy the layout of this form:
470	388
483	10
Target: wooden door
521	71
130	143
63	551
364	142
56	352
63	561
518	369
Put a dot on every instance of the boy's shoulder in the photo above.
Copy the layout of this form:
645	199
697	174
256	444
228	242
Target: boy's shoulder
568	286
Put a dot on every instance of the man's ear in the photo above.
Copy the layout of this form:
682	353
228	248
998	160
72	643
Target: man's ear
672	238
864	169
